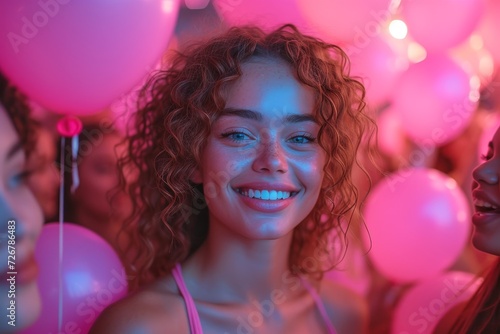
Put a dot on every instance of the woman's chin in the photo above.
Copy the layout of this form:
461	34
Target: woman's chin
22	310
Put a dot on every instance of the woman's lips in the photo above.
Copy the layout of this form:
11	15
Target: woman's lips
480	218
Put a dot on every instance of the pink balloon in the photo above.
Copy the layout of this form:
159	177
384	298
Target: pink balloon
92	278
420	308
476	62
354	21
489	28
440	24
419	222
434	100
391	138
75	57
264	13
379	66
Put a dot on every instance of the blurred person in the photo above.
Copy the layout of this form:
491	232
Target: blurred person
98	203
20	215
481	314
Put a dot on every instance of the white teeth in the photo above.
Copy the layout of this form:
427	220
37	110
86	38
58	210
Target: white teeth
273	195
268	195
483	204
264	194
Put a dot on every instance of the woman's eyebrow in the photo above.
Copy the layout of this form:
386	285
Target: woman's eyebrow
299	118
244	113
257	116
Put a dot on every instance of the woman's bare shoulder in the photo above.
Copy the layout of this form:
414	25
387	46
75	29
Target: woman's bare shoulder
153	309
347	309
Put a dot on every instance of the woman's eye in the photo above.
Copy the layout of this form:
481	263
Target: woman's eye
487	156
302	139
18	179
235	136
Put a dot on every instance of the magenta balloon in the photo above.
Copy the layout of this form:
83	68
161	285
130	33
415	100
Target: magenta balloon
379	66
76	57
489	28
264	13
353	21
433	100
92	278
419	222
420	308
441	24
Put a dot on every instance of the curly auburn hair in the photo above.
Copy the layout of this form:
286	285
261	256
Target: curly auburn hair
171	130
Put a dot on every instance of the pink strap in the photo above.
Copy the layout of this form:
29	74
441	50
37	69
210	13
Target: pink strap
193	317
320	305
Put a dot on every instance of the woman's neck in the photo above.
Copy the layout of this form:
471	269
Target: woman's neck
239	270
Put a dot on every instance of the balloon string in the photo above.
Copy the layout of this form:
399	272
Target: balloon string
74	168
67	126
61	222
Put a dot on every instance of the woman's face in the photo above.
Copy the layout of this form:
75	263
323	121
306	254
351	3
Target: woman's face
20	224
486	197
44	176
262	169
98	173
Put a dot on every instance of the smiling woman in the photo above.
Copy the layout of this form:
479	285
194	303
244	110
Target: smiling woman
245	154
481	314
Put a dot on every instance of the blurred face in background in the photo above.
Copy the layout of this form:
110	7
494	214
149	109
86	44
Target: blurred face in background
99	176
20	224
44	176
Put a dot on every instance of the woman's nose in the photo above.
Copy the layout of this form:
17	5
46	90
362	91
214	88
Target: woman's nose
271	158
487	172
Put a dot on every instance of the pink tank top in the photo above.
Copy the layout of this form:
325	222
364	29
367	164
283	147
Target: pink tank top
194	318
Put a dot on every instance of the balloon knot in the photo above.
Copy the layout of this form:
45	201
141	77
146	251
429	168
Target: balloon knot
69	126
